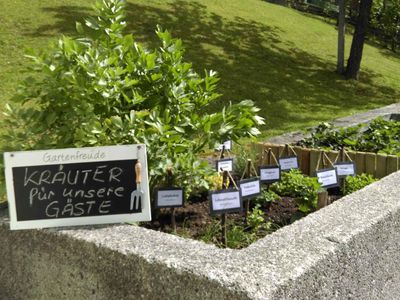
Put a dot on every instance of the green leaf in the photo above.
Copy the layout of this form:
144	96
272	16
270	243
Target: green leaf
79	27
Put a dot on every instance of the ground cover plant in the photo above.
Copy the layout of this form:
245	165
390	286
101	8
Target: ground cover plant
355	183
282	59
379	136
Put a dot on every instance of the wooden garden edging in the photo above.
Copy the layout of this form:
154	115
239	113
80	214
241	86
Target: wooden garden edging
378	165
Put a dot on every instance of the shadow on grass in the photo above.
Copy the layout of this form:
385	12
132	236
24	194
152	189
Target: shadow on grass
66	18
292	87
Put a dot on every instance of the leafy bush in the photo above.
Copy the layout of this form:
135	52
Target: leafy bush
355	183
304	189
326	135
385	17
104	88
380	135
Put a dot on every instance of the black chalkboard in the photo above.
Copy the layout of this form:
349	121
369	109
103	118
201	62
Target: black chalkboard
74	190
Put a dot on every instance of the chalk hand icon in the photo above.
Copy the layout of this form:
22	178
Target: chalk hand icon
137	195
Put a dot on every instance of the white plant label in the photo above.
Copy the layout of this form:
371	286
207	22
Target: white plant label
270	174
225	165
250	187
288	163
345	169
327	177
226	201
169	197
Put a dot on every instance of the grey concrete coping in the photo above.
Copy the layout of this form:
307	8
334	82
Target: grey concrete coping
355	119
348	250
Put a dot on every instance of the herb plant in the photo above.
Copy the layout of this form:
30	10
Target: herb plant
355	183
304	189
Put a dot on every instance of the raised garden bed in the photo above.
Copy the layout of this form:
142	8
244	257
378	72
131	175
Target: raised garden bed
194	220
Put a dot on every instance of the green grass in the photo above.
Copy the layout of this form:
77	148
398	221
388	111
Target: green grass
282	59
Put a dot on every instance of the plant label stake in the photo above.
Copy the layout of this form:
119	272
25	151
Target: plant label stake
221	156
225	201
226	164
170	197
272	171
249	187
289	161
169	182
345	167
225	186
227	145
326	176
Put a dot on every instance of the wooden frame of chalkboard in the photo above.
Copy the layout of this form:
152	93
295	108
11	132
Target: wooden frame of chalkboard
77	186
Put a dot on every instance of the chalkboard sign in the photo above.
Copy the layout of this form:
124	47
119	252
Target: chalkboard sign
65	187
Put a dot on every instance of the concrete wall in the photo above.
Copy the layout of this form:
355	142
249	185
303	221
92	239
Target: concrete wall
348	250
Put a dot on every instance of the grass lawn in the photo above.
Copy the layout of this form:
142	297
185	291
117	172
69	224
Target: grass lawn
282	59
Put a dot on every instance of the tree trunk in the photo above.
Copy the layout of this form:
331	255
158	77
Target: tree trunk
341	37
357	45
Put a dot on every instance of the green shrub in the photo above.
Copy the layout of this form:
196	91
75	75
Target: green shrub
355	183
304	189
380	136
326	135
104	88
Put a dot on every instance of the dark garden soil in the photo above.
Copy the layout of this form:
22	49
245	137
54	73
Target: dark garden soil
193	219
